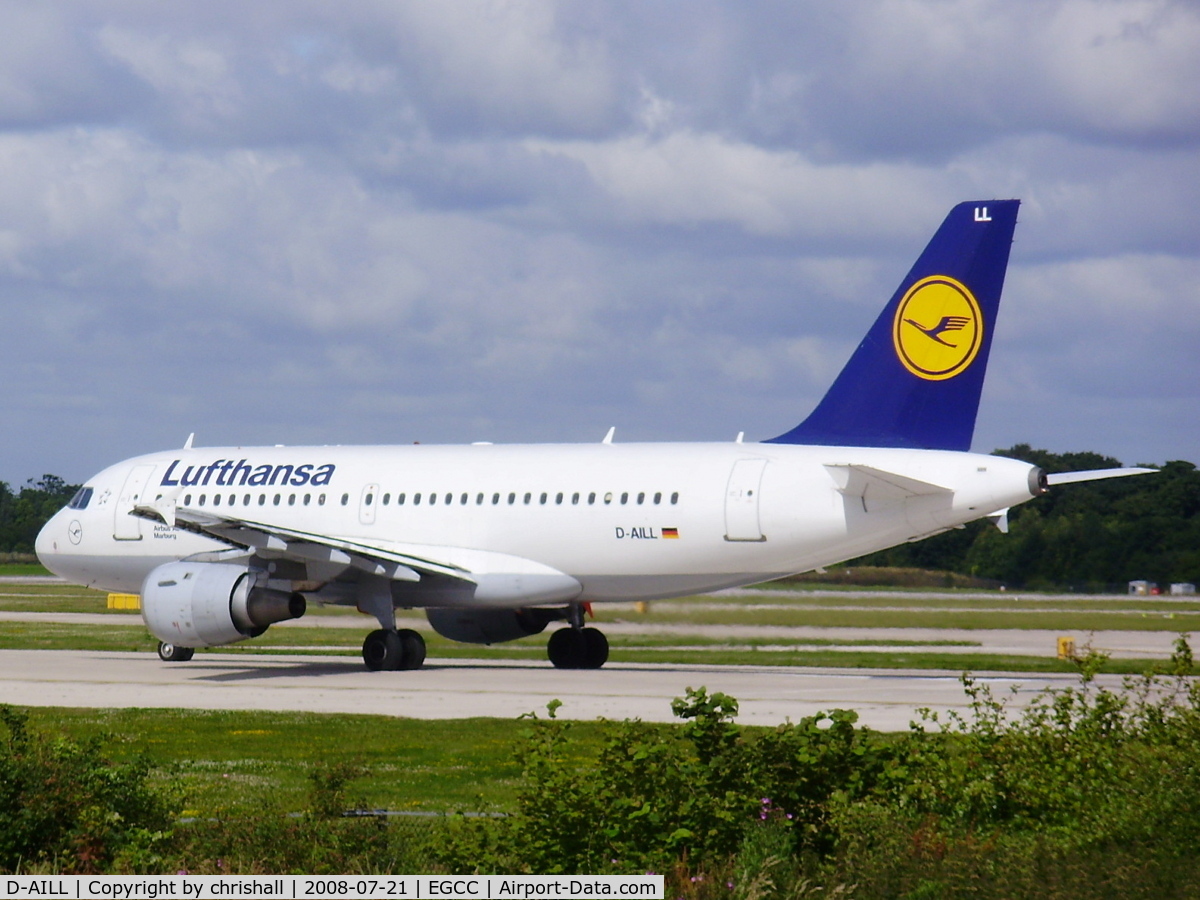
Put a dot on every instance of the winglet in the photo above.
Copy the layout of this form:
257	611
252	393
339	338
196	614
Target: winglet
916	378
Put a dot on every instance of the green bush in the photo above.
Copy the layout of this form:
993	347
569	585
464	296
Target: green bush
63	803
655	794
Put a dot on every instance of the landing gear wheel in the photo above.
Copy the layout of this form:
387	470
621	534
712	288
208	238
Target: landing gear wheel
583	649
383	651
565	648
412	647
174	653
595	646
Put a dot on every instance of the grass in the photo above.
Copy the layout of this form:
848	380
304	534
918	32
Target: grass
226	761
1063	619
24	569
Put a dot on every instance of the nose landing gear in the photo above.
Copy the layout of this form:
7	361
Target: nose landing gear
174	653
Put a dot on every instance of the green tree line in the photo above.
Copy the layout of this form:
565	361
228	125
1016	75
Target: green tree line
1083	536
24	512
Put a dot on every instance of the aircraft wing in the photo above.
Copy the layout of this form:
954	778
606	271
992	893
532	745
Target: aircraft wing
1094	475
436	575
272	541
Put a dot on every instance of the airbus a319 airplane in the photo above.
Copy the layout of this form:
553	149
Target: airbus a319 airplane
497	542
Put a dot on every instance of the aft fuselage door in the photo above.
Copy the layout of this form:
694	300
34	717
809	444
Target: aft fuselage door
125	526
367	503
741	501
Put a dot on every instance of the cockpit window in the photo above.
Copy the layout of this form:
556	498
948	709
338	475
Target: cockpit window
82	498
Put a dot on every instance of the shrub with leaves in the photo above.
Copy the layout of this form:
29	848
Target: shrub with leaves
63	802
655	794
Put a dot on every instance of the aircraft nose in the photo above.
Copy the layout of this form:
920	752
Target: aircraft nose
48	544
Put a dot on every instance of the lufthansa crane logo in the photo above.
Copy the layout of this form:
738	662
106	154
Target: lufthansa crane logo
938	328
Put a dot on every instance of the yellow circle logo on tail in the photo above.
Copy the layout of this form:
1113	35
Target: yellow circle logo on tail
938	328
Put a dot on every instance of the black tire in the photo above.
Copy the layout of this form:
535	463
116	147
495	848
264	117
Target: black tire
174	653
566	649
382	651
412	647
595	647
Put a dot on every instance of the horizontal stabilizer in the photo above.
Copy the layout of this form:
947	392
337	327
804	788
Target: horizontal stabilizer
1094	475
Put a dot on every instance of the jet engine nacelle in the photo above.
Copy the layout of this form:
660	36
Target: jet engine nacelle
197	604
490	626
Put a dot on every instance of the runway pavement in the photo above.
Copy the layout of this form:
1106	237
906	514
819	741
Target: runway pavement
887	700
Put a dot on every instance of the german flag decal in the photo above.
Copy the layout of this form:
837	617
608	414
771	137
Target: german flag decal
671	533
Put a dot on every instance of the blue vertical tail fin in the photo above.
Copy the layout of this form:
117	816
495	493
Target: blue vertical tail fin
916	378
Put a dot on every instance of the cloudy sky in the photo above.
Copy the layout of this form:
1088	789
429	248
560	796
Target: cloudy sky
302	222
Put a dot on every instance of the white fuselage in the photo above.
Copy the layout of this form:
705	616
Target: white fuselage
624	521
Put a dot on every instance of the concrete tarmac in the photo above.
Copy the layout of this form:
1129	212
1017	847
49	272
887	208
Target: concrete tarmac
887	700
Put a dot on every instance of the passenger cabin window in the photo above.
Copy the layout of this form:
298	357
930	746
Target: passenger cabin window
400	500
262	499
512	498
542	499
345	499
675	498
575	499
479	499
416	499
558	498
463	499
387	498
657	497
528	497
608	497
82	498
641	498
495	499
591	498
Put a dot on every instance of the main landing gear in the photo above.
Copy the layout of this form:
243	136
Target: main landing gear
390	650
577	647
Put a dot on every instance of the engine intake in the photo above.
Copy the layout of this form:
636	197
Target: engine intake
210	604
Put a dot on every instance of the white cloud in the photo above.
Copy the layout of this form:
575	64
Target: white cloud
691	179
288	221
